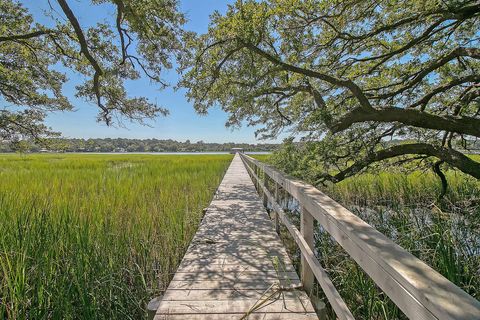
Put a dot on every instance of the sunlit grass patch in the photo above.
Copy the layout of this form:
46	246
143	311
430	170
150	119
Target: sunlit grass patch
96	236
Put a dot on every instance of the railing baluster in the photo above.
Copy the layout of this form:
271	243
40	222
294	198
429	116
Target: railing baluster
275	214
265	197
306	228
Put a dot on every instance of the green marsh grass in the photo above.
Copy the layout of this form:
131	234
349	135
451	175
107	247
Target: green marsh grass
96	236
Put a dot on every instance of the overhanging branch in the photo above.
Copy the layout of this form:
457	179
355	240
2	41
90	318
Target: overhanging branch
343	83
450	156
25	36
86	52
412	117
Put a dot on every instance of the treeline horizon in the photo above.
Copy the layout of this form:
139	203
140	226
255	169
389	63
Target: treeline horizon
127	145
155	145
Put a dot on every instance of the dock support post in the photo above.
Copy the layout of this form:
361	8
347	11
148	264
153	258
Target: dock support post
306	229
320	307
153	306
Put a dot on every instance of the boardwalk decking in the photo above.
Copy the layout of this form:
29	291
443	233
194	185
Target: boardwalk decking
236	266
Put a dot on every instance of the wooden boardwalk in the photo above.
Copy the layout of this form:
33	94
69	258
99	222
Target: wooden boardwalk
236	266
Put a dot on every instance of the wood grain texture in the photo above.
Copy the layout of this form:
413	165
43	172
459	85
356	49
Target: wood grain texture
236	266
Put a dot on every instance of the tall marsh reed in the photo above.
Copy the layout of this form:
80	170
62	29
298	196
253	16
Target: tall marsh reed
96	236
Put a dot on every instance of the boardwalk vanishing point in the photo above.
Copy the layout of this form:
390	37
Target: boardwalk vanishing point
236	266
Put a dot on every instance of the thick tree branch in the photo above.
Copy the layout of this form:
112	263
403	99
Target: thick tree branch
118	22
441	175
411	117
317	97
26	36
86	52
344	83
450	156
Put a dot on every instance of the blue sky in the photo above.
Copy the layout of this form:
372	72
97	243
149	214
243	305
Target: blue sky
182	123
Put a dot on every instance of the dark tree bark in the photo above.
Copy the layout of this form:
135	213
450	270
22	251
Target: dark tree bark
441	175
412	117
86	52
450	156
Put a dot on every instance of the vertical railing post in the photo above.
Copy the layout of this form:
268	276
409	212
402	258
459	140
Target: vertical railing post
306	228
265	199
275	214
264	181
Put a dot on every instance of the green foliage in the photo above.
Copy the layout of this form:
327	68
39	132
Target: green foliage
353	74
139	41
96	237
133	145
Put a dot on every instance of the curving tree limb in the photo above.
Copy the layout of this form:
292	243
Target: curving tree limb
411	117
447	155
443	178
86	52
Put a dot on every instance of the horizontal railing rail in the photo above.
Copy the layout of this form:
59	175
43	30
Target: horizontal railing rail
418	290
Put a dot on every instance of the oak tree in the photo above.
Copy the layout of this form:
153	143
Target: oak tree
138	41
352	74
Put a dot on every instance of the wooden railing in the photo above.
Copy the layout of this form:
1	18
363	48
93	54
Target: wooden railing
418	290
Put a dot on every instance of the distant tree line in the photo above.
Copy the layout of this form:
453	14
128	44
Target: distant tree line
127	145
346	75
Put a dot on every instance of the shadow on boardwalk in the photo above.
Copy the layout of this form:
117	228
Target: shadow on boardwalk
236	266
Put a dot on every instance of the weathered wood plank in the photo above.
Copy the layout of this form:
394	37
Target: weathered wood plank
243	284
241	307
218	263
235	261
205	267
236	316
232	276
235	248
306	229
255	261
224	294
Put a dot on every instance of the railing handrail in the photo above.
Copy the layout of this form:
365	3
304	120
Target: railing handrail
418	290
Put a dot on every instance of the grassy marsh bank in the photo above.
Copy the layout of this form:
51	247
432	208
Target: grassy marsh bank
96	236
